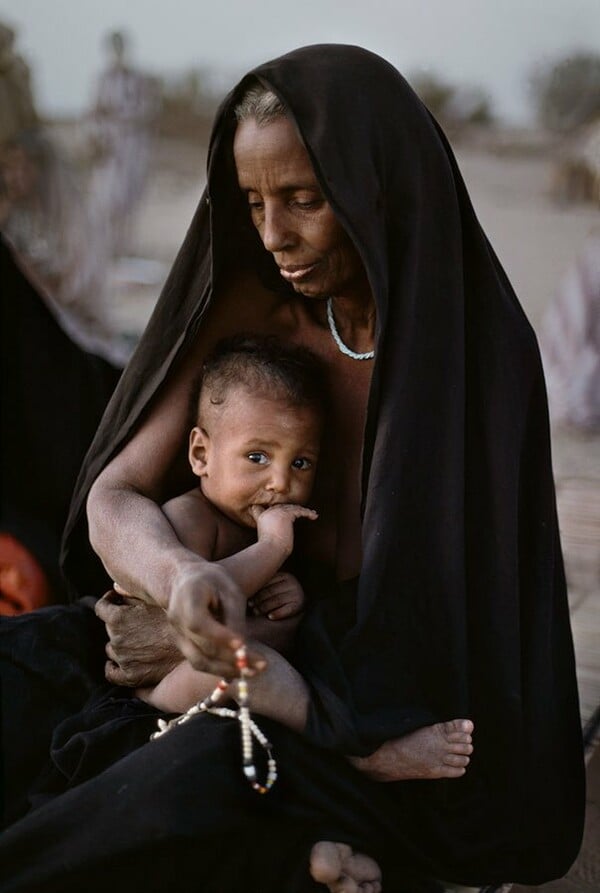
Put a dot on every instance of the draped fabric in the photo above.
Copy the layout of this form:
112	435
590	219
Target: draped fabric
461	607
53	395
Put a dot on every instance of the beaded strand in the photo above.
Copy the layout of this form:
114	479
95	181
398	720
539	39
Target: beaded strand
248	728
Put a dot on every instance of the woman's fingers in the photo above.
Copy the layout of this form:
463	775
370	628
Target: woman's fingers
209	615
109	607
218	657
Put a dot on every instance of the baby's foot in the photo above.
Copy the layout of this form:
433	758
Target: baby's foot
439	751
342	870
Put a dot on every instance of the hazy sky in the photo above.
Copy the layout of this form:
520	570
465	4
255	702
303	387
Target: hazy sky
493	43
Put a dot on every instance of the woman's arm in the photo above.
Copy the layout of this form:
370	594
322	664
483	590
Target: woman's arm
139	547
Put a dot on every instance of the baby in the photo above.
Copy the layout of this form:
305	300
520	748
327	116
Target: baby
259	413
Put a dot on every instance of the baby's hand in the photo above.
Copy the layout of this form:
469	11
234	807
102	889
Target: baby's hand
281	598
276	524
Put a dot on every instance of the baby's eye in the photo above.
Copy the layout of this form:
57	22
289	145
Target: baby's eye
258	458
301	463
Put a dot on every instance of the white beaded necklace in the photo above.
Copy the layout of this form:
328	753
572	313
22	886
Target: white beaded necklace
248	727
336	337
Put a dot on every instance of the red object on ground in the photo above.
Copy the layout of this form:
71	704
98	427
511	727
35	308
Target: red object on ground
23	584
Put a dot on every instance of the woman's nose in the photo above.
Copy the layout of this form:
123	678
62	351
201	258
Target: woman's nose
275	232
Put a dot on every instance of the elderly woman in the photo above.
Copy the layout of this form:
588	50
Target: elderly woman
335	217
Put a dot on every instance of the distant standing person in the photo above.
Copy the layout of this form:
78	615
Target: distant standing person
570	341
125	107
17	109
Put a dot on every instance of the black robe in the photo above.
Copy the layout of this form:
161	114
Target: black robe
460	608
53	394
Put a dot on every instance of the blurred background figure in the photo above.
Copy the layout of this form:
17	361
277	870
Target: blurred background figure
59	360
570	341
125	111
45	220
44	216
17	110
52	394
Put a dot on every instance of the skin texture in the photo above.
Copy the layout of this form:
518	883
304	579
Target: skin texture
313	252
122	495
198	593
298	227
252	452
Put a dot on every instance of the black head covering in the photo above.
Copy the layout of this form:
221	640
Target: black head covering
52	396
460	609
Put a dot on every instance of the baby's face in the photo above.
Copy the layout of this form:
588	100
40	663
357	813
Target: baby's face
255	451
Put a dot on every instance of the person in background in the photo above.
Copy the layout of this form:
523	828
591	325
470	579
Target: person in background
335	218
124	110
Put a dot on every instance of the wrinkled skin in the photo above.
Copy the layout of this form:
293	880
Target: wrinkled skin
142	645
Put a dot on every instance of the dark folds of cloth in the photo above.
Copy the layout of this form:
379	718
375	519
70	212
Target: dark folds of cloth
460	609
53	394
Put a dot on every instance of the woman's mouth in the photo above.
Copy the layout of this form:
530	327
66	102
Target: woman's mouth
296	273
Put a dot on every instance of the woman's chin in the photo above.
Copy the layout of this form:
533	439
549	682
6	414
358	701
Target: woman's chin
309	290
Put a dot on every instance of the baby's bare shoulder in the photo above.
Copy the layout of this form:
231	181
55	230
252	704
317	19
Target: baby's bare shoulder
195	521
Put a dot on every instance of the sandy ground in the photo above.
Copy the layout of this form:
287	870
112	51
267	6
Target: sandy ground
536	240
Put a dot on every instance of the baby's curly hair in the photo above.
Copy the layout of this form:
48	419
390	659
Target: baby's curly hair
265	367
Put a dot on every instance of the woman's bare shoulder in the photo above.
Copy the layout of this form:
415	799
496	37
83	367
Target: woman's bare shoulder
244	304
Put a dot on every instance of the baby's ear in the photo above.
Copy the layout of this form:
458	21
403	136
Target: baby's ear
198	451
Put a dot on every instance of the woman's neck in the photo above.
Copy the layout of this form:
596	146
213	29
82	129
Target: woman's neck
354	320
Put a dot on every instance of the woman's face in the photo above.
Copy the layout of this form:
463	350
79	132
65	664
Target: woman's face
295	222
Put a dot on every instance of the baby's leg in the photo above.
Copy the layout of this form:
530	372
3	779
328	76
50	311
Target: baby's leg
180	689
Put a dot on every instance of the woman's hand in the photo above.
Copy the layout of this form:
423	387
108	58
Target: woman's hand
208	611
142	645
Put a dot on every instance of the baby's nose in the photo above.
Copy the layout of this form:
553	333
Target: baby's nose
279	480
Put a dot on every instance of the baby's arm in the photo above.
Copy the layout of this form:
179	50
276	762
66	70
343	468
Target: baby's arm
254	567
273	595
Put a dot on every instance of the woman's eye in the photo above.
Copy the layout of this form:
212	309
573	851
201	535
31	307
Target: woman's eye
306	204
258	458
301	464
255	204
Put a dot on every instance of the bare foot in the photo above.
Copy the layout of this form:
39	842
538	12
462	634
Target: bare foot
342	870
439	751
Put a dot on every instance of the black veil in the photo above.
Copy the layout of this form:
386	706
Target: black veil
461	607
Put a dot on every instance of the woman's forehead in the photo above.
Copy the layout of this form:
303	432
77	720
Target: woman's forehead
272	149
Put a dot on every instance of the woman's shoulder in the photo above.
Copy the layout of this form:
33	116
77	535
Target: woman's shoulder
245	303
